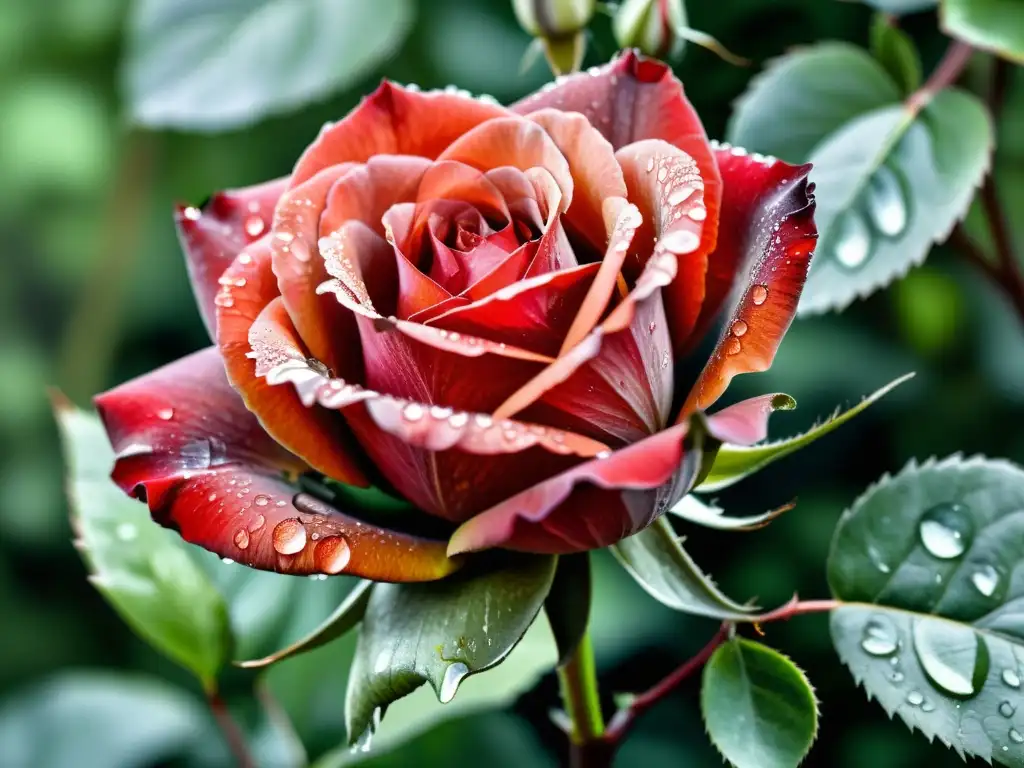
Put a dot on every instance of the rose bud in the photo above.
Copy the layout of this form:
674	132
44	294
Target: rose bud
511	318
650	26
560	26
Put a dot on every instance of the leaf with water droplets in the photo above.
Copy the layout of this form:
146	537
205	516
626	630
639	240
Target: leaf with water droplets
890	183
658	562
440	633
759	708
927	565
142	570
735	462
803	97
219	64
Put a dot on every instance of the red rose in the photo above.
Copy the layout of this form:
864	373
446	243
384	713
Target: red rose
494	312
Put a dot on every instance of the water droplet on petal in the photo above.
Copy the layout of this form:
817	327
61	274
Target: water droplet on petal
985	580
1011	678
254	226
739	328
698	213
412	412
852	240
261	500
289	537
953	657
679	194
662	174
879	636
1015	736
732	346
332	554
945	530
241	538
453	675
257	523
1006	709
166	414
650	164
759	294
680	241
886	203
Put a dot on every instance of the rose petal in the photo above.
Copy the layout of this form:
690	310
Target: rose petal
595	172
395	121
533	314
592	505
746	422
367	190
634	98
364	264
326	330
416	291
249	309
767	238
516	142
665	185
213	235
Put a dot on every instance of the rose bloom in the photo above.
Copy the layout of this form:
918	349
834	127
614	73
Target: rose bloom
510	317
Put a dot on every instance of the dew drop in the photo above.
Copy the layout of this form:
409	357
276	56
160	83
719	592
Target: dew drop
945	530
679	194
212	497
732	346
412	412
166	414
852	241
953	657
453	675
332	554
680	241
261	500
254	226
257	523
650	164
915	698
241	538
126	531
896	676
1011	678
289	537
985	580
1015	736
886	203
879	637
876	559
927	705
759	294
662	174
698	213
364	742
739	328
1006	709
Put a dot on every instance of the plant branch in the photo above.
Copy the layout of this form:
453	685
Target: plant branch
232	733
578	680
947	72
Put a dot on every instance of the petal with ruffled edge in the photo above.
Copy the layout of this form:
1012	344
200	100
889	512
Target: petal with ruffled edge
250	309
212	236
666	186
634	98
764	251
395	121
187	446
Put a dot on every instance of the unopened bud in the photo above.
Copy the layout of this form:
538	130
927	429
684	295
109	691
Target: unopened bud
560	29
650	26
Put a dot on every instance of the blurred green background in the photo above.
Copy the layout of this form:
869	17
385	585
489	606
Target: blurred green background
93	291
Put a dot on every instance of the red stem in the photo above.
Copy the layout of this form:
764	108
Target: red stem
948	71
232	733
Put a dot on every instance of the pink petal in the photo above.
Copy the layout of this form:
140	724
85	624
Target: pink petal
746	422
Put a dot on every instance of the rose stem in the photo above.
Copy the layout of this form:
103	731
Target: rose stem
578	681
232	733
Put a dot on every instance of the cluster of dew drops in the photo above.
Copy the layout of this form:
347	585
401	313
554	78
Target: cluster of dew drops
945	533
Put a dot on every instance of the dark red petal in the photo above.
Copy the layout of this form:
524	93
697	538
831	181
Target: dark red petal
635	98
324	327
596	175
184	418
395	121
592	505
764	250
249	310
212	236
664	183
514	142
533	314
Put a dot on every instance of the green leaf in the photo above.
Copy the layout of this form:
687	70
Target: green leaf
79	719
220	64
895	51
270	612
803	97
759	708
993	25
889	184
344	618
440	633
928	561
902	6
735	462
693	510
658	562
143	570
568	603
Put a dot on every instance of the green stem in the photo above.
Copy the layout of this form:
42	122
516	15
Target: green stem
578	679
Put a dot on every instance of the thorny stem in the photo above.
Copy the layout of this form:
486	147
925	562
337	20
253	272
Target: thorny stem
625	718
232	733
